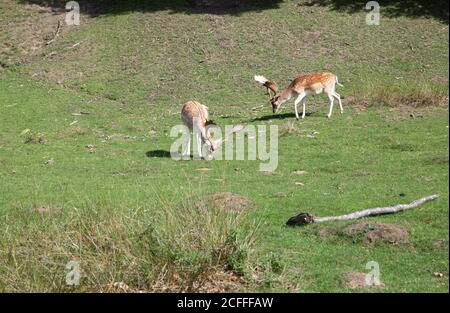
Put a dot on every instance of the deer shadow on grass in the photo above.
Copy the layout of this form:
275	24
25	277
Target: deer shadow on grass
158	154
166	154
280	116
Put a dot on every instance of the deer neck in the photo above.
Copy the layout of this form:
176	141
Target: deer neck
286	94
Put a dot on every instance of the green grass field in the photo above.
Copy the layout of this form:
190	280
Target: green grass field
98	188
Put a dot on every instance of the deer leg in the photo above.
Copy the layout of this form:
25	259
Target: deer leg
197	134
297	101
205	140
304	107
199	141
187	146
338	98
330	96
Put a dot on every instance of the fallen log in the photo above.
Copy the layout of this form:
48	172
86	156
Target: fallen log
306	218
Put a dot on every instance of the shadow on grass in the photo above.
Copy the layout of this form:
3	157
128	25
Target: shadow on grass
391	8
158	154
437	9
278	116
220	7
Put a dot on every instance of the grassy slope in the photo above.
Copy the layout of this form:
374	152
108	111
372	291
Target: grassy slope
358	160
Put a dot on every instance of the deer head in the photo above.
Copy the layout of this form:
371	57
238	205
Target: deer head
271	88
279	98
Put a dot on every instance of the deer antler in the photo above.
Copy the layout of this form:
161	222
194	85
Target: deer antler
217	143
270	85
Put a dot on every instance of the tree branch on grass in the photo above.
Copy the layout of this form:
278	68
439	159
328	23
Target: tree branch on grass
306	218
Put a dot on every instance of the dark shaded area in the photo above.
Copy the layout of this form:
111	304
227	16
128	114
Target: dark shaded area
391	8
101	7
274	116
158	154
278	116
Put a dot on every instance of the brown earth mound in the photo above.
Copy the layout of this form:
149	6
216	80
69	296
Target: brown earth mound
377	232
230	201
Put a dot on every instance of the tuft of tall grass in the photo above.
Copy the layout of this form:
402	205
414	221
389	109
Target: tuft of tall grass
169	248
416	95
194	239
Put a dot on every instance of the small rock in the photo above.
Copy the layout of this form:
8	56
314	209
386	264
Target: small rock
25	131
90	148
49	162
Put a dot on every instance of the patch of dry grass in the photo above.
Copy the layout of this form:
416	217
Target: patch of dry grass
412	96
186	247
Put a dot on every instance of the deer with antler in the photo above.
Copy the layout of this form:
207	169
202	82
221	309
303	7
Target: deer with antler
300	87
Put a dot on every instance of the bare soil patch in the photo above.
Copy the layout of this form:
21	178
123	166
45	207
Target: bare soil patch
357	280
26	30
211	281
47	209
220	281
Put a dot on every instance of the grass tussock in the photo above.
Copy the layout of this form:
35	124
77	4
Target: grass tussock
196	240
30	136
288	128
414	96
188	247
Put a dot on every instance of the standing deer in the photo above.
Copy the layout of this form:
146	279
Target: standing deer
311	83
195	116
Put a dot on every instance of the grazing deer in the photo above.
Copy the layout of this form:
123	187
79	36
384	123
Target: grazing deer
311	83
195	116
